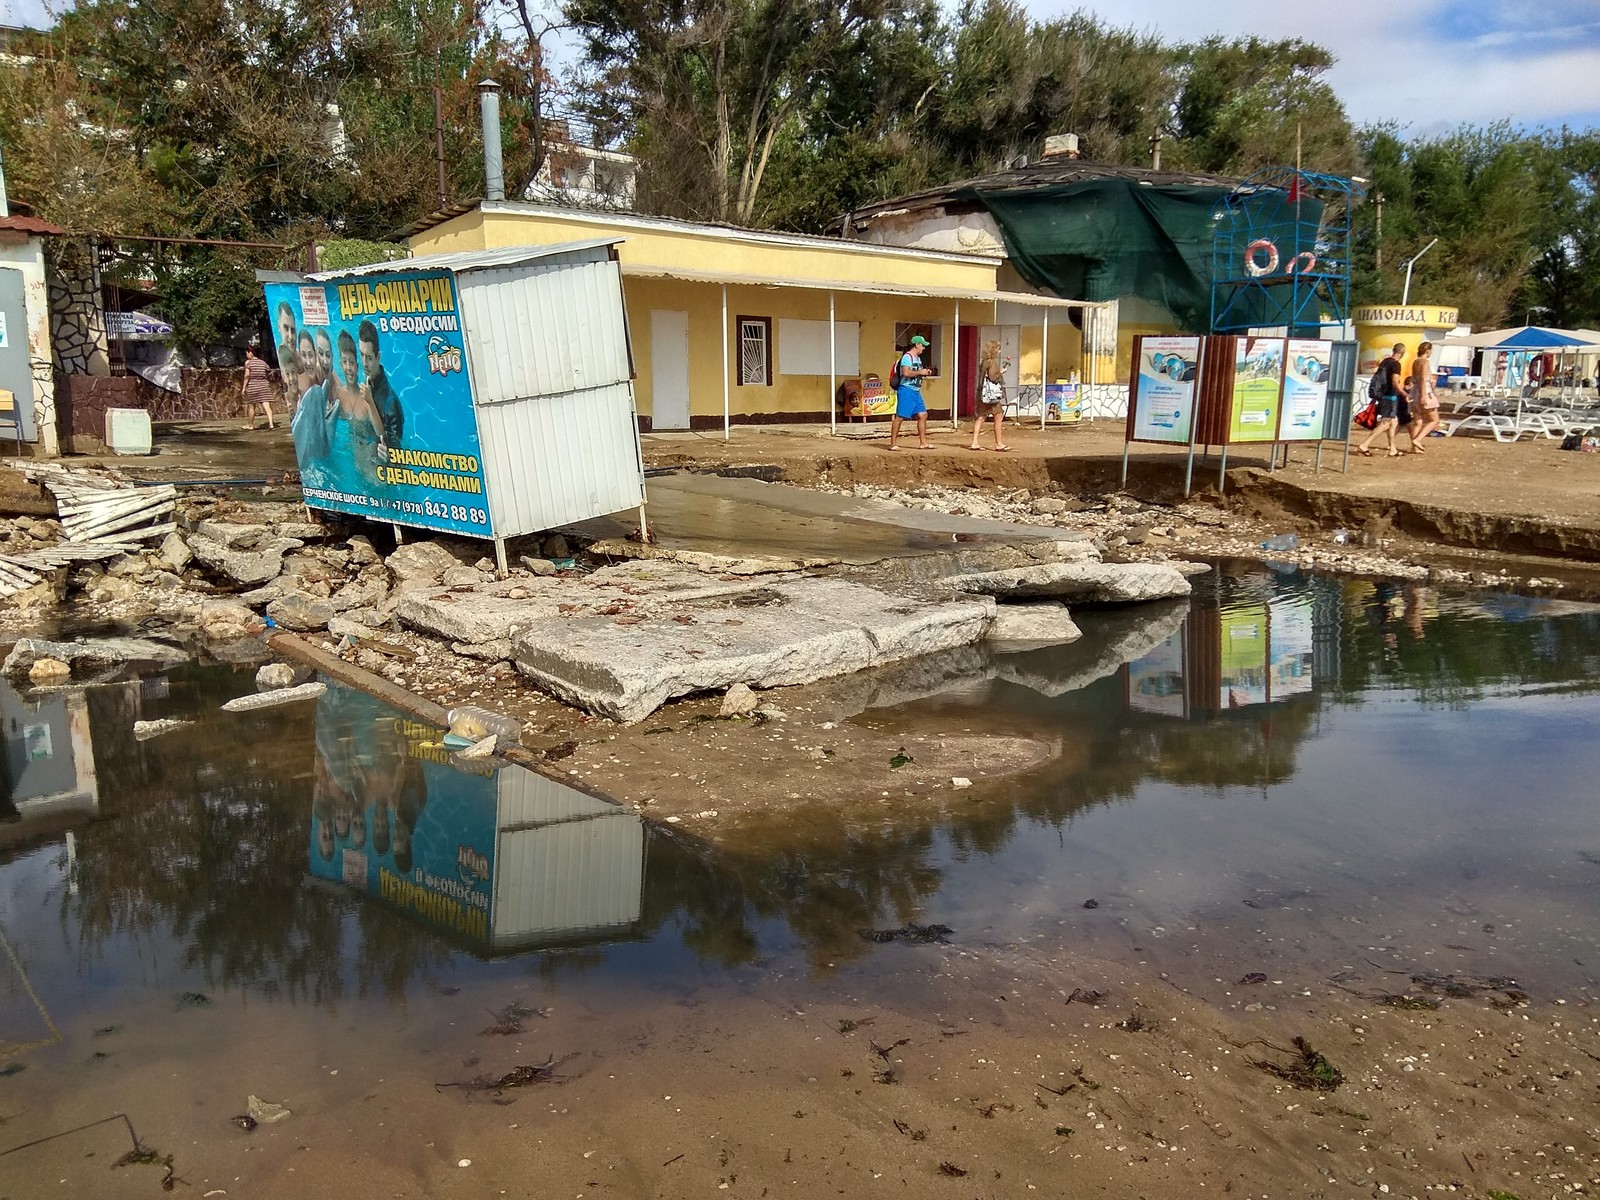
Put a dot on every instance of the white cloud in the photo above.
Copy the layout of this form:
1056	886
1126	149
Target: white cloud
1415	62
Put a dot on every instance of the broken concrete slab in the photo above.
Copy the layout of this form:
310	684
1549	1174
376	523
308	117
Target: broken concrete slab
1085	582
492	612
306	691
787	632
93	653
248	555
1044	623
704	560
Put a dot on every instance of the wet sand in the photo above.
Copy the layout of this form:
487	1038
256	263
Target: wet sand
968	1072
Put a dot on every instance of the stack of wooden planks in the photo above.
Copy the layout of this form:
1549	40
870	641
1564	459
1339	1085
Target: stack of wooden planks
102	516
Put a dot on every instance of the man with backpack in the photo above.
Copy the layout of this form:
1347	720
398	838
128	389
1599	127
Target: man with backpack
1385	391
907	379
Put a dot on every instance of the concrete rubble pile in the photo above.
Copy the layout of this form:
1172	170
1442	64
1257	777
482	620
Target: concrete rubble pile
617	640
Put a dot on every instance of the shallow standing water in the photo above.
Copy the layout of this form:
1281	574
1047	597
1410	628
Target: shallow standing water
1297	776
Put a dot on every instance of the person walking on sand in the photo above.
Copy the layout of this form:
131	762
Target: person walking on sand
1388	403
991	396
908	403
1425	399
258	390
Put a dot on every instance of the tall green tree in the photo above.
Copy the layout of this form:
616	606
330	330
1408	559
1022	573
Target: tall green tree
1246	103
1498	200
710	86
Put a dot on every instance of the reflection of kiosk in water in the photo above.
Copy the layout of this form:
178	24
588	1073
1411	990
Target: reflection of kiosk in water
49	760
1228	658
503	860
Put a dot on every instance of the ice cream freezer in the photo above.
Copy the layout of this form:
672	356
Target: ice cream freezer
485	394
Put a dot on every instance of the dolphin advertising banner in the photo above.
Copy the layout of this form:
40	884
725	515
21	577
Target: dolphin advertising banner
376	371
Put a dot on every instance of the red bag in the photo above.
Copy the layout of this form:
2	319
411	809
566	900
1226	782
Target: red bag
1367	418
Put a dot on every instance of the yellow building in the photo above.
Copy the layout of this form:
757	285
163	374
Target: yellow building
739	326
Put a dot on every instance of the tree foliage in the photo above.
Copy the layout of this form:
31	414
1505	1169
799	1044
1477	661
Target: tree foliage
293	121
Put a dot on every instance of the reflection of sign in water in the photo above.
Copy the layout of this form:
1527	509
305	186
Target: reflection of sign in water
503	859
1293	647
384	425
1257	389
1305	391
1156	682
1164	384
1244	656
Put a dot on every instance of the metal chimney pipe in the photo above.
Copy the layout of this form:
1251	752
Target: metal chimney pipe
494	175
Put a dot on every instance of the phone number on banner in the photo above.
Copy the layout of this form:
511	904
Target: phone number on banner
442	512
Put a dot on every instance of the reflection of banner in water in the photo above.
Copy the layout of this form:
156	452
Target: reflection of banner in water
1244	656
501	858
1156	681
1293	647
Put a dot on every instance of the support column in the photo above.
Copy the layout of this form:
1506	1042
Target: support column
725	385
833	372
955	373
1044	367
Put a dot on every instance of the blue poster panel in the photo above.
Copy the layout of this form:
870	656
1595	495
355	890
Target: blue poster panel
1164	390
390	817
1305	391
383	422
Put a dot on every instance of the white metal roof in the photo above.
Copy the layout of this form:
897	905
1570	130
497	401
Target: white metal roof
461	261
647	271
622	222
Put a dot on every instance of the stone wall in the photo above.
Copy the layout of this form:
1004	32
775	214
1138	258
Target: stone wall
209	394
77	315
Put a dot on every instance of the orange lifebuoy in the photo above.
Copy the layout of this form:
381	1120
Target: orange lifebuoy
1252	263
1306	257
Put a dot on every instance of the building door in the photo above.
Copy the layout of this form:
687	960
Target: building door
966	390
1010	339
16	375
669	369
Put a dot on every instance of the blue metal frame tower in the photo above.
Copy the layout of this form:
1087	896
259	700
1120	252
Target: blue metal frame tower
1281	252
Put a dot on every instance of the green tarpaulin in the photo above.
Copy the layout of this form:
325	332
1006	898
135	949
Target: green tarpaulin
1103	239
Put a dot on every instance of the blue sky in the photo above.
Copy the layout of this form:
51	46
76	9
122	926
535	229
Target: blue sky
1447	64
1426	64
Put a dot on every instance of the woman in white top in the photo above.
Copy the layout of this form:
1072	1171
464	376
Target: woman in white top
991	396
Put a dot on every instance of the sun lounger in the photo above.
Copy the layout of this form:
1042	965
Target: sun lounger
1503	429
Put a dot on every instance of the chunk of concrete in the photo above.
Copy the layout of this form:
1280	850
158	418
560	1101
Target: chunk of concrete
273	676
501	609
1045	623
789	632
419	565
221	620
302	613
306	691
92	653
738	701
248	555
1085	582
49	670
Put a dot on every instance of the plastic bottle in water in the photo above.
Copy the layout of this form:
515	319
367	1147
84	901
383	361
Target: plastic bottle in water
1282	541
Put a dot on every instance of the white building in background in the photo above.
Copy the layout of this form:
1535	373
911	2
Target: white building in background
580	173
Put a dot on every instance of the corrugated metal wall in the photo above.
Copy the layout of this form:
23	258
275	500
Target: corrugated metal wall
555	459
546	327
547	346
566	864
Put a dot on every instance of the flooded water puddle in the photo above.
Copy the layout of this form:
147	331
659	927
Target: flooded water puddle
1292	777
